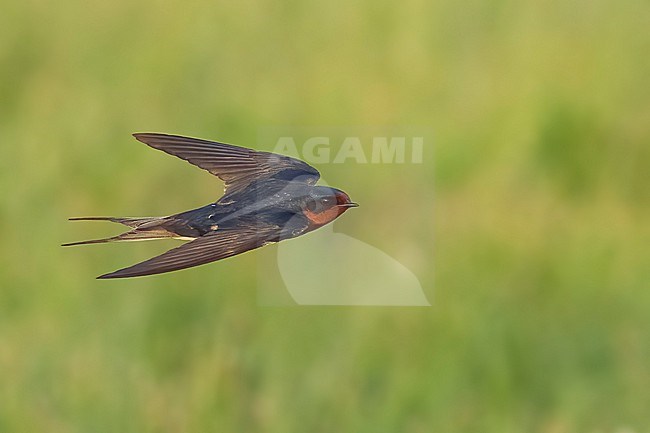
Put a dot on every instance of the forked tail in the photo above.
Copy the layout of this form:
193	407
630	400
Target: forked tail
144	229
131	222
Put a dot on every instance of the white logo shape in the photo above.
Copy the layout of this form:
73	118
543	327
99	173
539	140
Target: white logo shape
328	268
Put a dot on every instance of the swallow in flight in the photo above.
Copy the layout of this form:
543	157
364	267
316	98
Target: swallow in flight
267	198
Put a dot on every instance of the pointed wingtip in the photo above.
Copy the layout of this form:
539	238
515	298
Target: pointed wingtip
110	276
120	273
150	138
138	135
141	136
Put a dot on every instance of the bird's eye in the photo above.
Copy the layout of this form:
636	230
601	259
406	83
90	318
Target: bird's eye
312	205
327	201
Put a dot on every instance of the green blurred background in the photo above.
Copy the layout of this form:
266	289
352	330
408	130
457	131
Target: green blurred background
527	223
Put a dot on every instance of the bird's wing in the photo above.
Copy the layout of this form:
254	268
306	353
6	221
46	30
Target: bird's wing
236	166
211	247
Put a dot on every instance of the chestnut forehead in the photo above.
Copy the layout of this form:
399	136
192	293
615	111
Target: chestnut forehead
342	197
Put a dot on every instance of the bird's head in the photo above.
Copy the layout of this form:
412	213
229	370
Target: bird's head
324	204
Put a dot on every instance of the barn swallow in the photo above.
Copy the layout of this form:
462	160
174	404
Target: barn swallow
267	198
